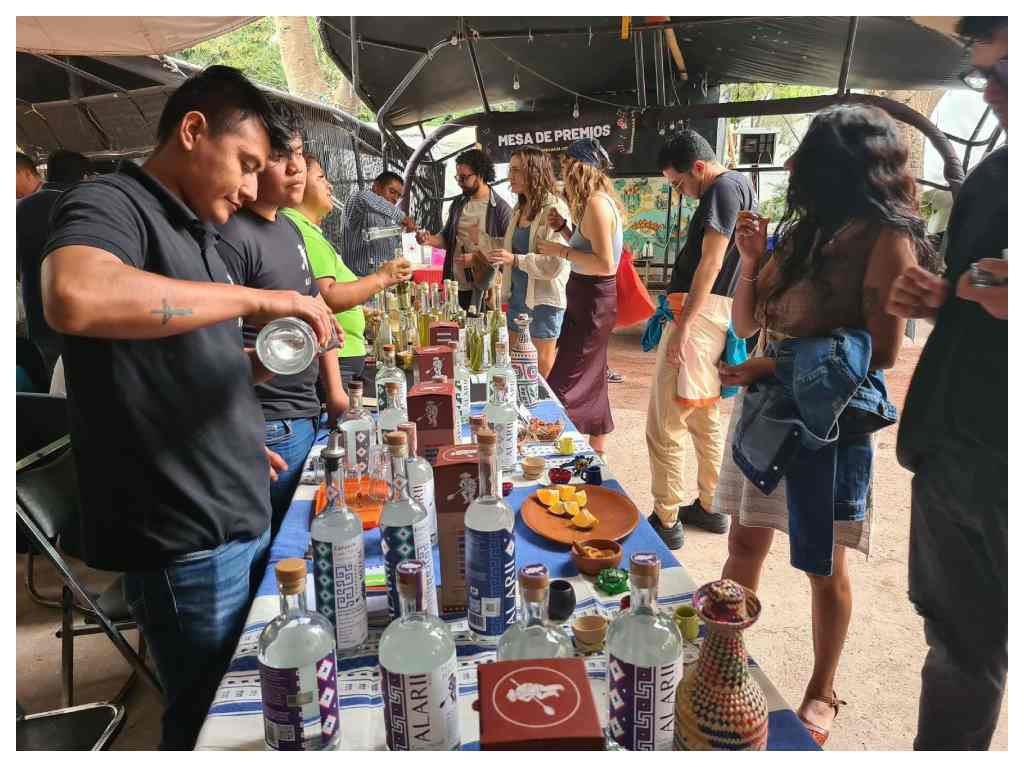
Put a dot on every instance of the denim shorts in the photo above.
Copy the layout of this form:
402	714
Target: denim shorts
545	321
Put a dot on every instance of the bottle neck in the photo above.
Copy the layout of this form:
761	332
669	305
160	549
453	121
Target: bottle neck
644	599
412	445
392	401
334	477
292	602
355	403
409	605
400	478
498	396
535	613
490	481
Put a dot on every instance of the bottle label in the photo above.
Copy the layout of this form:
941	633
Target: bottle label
641	704
382	395
423	494
300	705
507	448
422	710
491	581
358	442
462	397
340	584
408	542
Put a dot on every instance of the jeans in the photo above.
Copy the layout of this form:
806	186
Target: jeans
958	583
291	439
191	614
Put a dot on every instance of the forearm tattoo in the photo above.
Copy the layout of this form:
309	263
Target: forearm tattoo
167	311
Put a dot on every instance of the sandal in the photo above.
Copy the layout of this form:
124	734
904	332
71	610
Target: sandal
817	733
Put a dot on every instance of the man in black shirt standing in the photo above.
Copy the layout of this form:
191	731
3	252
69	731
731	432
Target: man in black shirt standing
263	249
686	389
953	436
165	425
63	169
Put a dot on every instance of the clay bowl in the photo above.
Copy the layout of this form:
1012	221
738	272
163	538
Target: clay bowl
533	467
589	630
593	565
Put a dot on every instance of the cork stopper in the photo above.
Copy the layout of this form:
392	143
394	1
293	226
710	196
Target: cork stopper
408	428
476	421
440	379
355	389
487	441
392	387
500	348
410	578
396	439
291	575
644	567
534	580
388	348
498	381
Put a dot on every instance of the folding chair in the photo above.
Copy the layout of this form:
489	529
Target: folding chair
91	727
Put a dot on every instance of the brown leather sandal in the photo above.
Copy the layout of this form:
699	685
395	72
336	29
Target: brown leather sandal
817	733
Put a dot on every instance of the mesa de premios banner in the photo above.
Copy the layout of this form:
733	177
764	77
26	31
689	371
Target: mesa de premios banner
509	131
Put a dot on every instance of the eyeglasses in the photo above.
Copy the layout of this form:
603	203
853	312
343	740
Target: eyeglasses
977	78
462	179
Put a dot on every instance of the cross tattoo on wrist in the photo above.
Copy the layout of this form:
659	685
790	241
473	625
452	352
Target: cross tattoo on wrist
167	312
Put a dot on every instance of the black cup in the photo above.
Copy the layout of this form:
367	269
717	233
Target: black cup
561	601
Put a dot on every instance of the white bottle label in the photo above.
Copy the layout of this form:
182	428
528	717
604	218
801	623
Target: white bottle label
421	711
300	705
339	580
423	494
507	448
408	542
641	704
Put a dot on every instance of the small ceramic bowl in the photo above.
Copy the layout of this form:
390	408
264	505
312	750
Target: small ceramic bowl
559	476
533	467
589	565
589	630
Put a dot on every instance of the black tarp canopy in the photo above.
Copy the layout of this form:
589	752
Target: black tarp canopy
587	55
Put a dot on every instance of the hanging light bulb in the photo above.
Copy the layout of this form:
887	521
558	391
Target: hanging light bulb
576	109
515	80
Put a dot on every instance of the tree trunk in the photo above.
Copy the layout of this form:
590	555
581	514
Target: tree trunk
298	57
923	102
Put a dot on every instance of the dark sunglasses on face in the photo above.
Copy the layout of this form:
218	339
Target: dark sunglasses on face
977	78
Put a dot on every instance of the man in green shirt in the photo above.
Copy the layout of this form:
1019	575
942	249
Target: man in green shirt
343	291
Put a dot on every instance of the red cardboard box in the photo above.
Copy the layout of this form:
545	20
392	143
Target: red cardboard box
456	471
431	361
432	408
529	705
443	332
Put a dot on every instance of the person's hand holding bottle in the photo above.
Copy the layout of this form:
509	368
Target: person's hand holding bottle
394	271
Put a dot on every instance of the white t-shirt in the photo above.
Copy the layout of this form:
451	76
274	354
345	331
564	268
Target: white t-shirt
473	212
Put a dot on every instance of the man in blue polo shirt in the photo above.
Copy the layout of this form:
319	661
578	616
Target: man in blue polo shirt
166	429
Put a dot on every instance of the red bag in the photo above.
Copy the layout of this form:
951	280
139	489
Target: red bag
635	304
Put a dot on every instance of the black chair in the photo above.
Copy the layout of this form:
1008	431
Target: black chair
91	727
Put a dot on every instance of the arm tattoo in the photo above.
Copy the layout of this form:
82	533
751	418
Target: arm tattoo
167	312
871	301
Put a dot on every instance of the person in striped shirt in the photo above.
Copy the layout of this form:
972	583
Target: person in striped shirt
367	209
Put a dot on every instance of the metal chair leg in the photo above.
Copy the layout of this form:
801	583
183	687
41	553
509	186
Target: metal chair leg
67	649
30	584
130	682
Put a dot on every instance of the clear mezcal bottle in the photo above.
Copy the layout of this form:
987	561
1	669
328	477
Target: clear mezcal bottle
533	636
339	569
387	372
644	662
418	670
359	433
503	366
463	386
421	479
503	420
404	528
391	412
298	670
490	551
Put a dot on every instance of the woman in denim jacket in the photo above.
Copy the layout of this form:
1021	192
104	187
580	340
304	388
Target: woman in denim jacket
851	226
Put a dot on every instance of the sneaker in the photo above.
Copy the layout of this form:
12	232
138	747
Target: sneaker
672	536
712	521
614	377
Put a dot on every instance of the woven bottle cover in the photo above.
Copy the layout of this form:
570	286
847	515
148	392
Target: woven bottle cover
725	601
397	443
408	428
644	568
487	441
534	581
441	379
291	575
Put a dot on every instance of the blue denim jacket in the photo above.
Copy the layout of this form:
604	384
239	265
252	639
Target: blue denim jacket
811	423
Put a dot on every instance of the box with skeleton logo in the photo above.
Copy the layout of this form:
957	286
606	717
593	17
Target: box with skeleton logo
455	487
434	361
538	704
432	408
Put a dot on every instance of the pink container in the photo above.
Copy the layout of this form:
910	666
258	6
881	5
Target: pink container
437	257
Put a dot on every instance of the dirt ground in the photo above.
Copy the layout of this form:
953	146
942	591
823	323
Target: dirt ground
879	675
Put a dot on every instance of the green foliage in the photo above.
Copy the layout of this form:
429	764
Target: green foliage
252	49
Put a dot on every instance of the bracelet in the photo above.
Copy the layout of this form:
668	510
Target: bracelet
748	279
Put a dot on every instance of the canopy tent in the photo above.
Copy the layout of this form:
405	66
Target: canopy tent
468	59
120	35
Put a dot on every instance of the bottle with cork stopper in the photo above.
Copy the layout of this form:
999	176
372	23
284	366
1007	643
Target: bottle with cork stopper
421	478
404	527
534	636
490	550
463	386
503	366
503	420
476	422
392	413
297	663
389	372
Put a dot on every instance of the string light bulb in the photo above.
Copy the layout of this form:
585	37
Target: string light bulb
576	109
515	80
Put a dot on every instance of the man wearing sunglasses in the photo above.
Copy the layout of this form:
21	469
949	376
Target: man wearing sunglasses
479	209
953	436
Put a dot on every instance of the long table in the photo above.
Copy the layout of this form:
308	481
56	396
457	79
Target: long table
235	719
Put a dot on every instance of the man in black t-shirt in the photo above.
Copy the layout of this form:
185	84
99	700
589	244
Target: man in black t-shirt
165	426
686	389
953	436
263	249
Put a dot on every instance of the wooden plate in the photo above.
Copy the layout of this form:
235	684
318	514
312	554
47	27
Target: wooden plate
617	517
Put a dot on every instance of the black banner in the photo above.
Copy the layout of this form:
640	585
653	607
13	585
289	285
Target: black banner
551	132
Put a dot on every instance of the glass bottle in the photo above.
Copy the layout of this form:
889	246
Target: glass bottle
423	316
358	430
490	551
463	386
404	528
503	366
421	479
372	233
394	315
418	670
503	420
644	663
392	413
388	371
339	570
524	363
533	636
298	670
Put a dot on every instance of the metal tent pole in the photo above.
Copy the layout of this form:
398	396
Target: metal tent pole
844	73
